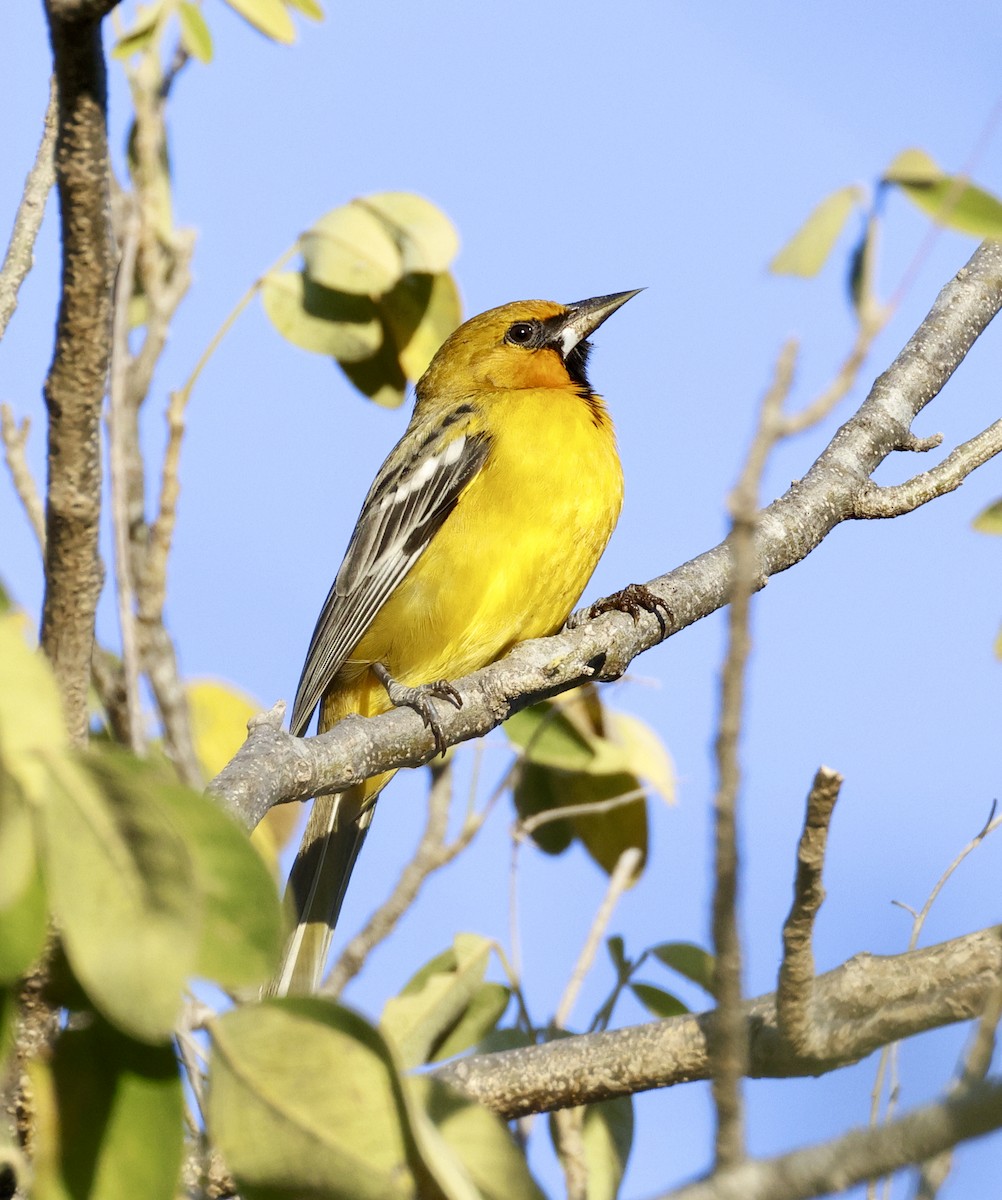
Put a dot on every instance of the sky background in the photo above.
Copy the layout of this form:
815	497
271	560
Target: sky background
581	149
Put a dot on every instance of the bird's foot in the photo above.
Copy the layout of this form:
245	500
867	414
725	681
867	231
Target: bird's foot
420	699
634	599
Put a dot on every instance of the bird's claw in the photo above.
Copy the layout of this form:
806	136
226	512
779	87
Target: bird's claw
634	599
420	699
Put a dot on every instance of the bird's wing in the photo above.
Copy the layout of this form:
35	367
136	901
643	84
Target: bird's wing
404	509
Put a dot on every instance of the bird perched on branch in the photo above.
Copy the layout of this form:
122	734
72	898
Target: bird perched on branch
481	530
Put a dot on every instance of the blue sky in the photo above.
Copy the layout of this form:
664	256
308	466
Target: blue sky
582	149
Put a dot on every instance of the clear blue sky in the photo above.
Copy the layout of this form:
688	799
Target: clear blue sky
584	148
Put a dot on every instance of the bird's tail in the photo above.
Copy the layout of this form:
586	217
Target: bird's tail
319	879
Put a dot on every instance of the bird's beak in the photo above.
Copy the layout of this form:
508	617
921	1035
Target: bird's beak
585	316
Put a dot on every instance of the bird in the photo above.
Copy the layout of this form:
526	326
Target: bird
481	530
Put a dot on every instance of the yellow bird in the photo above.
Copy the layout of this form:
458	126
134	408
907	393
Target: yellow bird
481	530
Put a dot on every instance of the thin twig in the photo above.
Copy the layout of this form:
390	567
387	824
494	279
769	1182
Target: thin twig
623	874
15	438
117	452
795	992
21	248
568	1130
526	826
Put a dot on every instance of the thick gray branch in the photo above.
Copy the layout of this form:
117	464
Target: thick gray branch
866	1003
273	768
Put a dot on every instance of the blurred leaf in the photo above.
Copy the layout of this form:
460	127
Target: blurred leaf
486	1007
24	923
808	250
605	835
548	737
269	17
195	35
123	893
998	644
862	272
504	1039
31	714
913	166
381	377
617	952
309	8
950	200
219	716
657	1001
537	790
692	961
420	312
142	33
241	928
305	1099
608	1138
315	318
480	1140
351	250
17	840
431	1005
990	520
424	235
109	1119
644	753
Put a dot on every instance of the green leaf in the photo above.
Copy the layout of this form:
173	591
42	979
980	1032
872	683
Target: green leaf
241	927
320	320
420	312
547	736
605	835
998	644
351	250
486	1007
195	35
617	952
692	961
657	1001
990	520
142	33
862	271
17	841
109	1119
424	235
24	924
539	789
643	753
480	1140
124	895
309	8
608	1137
306	1099
432	1004
949	199
269	17
31	714
808	250
381	377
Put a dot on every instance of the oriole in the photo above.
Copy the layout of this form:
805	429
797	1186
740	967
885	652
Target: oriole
481	530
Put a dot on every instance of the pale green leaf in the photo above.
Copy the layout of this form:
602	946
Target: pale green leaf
380	377
426	238
17	840
320	320
807	251
31	714
270	17
123	892
692	961
428	1009
195	35
351	250
241	928
960	206
990	519
109	1121
24	924
306	1099
548	737
913	166
657	1001
480	1140
644	753
998	644
486	1007
142	33
607	1136
420	313
309	8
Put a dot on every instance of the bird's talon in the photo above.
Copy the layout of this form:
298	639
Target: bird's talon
634	599
420	699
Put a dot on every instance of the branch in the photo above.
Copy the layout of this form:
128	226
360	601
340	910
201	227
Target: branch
75	385
902	996
273	767
836	1165
21	249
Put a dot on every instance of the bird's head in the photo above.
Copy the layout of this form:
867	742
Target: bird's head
527	344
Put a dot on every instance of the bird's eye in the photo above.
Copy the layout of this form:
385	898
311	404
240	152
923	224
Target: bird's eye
520	333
